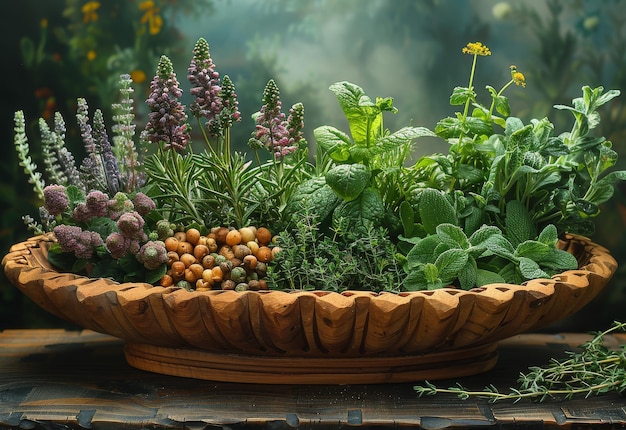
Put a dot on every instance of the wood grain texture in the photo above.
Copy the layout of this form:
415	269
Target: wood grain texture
51	379
309	323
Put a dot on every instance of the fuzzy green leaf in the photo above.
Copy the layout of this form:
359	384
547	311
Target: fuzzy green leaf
460	95
423	252
486	277
364	116
364	211
312	197
519	225
348	180
435	209
530	269
450	262
334	142
452	235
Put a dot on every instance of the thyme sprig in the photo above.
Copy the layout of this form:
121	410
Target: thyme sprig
593	370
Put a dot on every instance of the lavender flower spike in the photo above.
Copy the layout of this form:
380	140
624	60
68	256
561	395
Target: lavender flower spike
205	87
279	135
167	121
230	107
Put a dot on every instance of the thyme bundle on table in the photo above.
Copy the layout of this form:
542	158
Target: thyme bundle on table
593	370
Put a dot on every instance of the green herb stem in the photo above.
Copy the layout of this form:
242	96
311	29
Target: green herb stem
493	101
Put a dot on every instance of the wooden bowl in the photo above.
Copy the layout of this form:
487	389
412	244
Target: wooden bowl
309	336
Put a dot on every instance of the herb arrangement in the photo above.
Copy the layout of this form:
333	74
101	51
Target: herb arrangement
355	213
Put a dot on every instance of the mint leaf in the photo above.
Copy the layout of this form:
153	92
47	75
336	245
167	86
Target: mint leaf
450	262
460	95
423	252
530	269
486	277
453	236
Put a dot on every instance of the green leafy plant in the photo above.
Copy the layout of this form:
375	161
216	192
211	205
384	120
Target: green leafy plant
525	181
593	370
447	256
311	260
367	171
490	210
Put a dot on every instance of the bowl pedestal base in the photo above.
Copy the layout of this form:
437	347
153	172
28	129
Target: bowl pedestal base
223	367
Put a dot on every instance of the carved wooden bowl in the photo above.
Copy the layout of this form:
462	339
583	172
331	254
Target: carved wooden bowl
309	336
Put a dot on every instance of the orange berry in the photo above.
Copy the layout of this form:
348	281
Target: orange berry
233	238
171	243
188	259
220	235
264	254
166	281
184	248
192	235
199	251
263	236
178	269
216	274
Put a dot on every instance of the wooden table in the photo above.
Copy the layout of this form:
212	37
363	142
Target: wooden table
53	379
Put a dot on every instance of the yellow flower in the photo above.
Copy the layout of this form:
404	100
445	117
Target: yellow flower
89	11
91	55
138	76
518	77
476	48
151	16
44	23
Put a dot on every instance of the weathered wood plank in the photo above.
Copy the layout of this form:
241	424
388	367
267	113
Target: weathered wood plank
55	378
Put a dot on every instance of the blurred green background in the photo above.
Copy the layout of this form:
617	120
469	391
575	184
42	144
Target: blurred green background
58	50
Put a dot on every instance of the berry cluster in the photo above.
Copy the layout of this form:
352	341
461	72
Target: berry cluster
226	258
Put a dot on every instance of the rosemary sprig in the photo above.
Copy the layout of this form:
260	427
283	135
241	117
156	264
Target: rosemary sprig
594	370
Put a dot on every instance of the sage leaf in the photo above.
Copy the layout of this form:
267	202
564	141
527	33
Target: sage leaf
364	211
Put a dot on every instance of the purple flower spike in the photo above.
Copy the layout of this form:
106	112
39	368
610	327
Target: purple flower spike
167	120
206	87
230	107
279	135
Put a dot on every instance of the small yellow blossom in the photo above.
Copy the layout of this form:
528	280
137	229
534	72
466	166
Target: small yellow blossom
44	23
476	48
138	76
91	55
151	16
89	11
518	77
